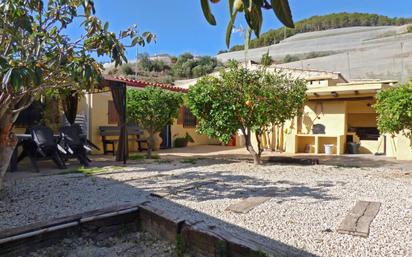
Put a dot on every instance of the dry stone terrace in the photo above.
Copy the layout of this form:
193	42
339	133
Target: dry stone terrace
301	218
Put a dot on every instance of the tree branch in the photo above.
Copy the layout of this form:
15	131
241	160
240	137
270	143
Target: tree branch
24	106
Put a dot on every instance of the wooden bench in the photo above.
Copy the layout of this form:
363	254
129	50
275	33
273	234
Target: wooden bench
112	131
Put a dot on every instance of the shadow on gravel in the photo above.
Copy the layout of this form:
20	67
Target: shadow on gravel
239	186
38	199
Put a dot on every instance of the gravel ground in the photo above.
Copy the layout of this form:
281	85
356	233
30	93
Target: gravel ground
308	202
130	245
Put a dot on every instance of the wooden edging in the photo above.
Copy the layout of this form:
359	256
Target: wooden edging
199	238
292	160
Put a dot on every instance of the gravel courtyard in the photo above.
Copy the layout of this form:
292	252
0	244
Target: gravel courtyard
307	202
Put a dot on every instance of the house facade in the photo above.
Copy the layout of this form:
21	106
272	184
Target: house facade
342	110
99	109
337	112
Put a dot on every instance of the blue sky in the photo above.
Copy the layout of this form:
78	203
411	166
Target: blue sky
180	25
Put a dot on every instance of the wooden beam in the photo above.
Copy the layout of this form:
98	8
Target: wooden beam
316	94
343	99
358	221
356	92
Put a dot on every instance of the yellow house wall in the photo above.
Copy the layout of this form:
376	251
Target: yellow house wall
99	106
360	106
361	113
177	130
362	120
368	146
330	114
390	146
403	147
290	143
99	117
82	104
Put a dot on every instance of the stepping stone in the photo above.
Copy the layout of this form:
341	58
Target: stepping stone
247	204
185	187
358	221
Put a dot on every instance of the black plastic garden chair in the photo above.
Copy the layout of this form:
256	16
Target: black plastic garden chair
43	145
75	144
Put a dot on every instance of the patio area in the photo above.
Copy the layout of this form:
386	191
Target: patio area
306	203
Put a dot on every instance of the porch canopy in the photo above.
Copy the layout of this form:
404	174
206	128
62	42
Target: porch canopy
348	91
117	86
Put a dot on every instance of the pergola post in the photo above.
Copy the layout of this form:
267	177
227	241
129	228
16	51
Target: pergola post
118	90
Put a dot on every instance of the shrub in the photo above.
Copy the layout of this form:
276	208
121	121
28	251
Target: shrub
266	59
152	108
145	63
394	109
317	54
183	141
127	69
290	58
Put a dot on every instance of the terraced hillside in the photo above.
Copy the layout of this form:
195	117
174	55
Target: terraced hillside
383	52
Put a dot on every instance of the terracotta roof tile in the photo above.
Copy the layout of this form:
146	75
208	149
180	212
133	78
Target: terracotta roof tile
143	84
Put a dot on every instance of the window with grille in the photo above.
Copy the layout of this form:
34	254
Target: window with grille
189	120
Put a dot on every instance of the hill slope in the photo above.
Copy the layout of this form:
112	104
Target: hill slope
383	52
324	22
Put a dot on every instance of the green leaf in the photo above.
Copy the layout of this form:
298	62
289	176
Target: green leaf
16	79
254	18
231	2
230	28
207	12
6	78
282	11
135	41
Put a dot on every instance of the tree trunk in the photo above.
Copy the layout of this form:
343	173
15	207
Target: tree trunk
7	144
256	157
150	143
11	106
249	147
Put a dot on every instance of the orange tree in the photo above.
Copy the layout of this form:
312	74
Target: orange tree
152	108
37	55
394	109
245	100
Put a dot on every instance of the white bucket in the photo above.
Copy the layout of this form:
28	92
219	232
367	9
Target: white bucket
328	149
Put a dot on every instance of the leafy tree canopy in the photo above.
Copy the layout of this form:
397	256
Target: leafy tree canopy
152	108
244	100
171	68
37	55
394	109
